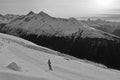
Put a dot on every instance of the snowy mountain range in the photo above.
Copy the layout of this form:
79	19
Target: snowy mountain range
69	36
107	26
42	23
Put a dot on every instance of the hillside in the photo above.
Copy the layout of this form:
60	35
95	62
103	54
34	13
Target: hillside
17	62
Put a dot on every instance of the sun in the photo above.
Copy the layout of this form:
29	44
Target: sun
104	4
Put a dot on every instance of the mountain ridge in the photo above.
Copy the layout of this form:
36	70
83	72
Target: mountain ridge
42	22
104	25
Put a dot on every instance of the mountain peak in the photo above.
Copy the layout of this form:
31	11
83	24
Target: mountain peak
72	19
31	13
43	14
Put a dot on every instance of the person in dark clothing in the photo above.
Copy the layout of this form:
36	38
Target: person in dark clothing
49	65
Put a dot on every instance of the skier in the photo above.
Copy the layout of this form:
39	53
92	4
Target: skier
49	64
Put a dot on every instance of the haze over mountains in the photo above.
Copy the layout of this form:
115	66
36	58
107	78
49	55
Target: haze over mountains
106	17
107	26
69	36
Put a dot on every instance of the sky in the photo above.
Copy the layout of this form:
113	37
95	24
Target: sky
61	8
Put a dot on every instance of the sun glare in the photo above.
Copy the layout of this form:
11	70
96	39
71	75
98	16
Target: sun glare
104	4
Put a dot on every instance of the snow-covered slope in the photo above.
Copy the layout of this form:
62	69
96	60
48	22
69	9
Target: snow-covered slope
33	64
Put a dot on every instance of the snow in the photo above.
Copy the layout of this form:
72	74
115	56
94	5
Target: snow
33	64
15	39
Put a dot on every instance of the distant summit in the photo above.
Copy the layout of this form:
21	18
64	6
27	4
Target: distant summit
107	26
73	19
43	14
31	13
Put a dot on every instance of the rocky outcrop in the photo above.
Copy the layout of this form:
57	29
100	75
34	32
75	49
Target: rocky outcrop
14	66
